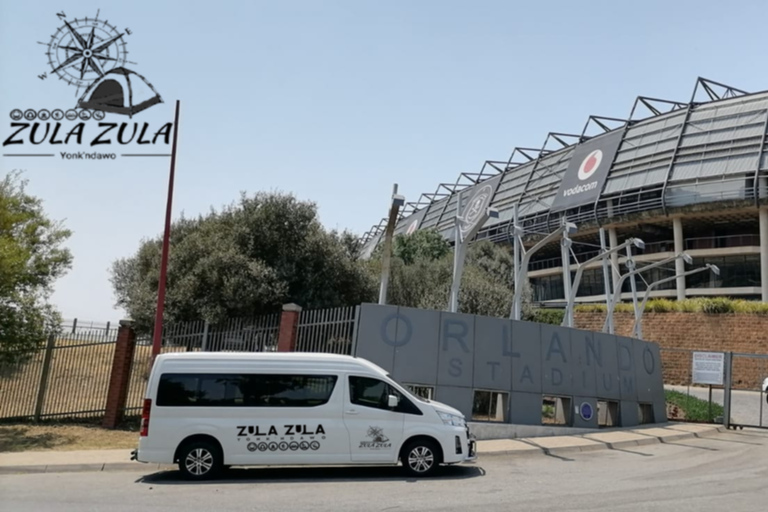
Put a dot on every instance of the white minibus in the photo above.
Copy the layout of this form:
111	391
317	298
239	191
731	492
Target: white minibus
208	411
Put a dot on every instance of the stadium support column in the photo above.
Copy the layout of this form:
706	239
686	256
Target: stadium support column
677	228
764	252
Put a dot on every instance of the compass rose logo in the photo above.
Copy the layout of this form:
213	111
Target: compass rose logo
91	54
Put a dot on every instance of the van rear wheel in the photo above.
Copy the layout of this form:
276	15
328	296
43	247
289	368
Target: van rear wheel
200	460
421	458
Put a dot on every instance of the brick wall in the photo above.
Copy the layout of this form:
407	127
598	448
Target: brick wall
687	332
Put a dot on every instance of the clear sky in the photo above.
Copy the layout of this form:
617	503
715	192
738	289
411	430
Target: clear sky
335	101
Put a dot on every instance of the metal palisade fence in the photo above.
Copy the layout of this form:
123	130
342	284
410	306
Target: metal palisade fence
254	334
327	330
68	375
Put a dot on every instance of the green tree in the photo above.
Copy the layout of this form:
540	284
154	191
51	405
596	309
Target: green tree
31	259
247	259
422	269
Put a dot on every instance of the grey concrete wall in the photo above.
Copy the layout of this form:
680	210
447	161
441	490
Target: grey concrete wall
458	354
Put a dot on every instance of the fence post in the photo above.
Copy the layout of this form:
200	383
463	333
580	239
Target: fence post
727	389
44	376
355	327
120	377
204	345
289	321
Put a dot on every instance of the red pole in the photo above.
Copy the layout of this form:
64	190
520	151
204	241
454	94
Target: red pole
158	334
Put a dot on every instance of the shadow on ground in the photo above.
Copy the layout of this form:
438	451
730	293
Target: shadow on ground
272	475
19	439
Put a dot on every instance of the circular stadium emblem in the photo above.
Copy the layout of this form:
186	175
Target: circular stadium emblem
590	164
475	209
252	447
586	411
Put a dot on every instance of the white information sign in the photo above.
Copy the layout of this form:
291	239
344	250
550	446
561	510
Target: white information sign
708	368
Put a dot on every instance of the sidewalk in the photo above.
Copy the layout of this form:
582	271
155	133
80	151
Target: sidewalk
120	460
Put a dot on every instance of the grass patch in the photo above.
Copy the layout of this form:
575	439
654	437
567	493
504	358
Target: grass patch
65	436
692	408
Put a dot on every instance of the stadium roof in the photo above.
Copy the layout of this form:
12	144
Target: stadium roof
665	154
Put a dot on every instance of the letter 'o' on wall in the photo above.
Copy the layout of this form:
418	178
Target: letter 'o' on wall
404	330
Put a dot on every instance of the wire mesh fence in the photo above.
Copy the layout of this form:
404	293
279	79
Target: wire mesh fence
749	407
327	330
686	400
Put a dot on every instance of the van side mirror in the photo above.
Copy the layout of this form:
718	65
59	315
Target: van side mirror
392	401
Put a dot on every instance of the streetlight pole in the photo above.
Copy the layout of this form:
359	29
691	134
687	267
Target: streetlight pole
632	273
637	327
157	337
571	298
568	228
607	274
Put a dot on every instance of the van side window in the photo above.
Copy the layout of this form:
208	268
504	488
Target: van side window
369	392
244	390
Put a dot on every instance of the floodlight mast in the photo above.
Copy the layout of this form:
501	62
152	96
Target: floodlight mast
568	320
637	326
608	324
567	229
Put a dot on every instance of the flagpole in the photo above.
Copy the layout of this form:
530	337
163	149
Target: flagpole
158	333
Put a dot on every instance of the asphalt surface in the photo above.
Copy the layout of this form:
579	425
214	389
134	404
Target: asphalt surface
724	472
747	407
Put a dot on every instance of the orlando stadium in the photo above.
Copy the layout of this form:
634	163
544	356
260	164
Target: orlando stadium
682	175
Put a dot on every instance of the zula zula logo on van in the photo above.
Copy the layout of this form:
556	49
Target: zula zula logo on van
91	55
377	439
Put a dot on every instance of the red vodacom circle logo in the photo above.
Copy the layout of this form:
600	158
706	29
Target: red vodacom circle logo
590	164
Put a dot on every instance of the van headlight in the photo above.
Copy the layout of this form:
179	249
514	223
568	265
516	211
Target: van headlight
452	419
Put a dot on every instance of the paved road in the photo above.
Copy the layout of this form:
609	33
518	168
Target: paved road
724	472
746	406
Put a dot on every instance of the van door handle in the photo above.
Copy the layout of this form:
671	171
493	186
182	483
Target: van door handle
351	411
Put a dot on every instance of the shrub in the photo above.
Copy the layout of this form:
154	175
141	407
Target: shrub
710	306
660	306
548	316
717	305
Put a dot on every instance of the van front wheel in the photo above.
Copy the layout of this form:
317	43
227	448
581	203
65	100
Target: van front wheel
200	461
421	458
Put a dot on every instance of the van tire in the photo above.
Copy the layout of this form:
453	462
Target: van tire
200	460
421	457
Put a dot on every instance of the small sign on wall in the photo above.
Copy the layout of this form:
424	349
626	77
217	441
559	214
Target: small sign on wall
708	368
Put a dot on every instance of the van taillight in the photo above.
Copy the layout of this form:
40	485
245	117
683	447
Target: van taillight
145	417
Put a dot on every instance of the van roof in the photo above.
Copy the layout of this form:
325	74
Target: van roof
329	360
